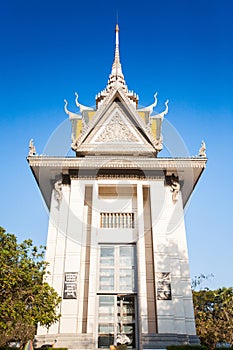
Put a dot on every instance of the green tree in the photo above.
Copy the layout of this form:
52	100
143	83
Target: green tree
213	311
25	299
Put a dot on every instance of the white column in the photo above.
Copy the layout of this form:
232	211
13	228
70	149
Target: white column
92	307
181	283
69	310
52	237
141	263
82	270
51	249
60	251
170	255
160	215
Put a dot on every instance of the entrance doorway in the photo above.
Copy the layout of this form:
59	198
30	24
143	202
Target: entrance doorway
117	297
116	317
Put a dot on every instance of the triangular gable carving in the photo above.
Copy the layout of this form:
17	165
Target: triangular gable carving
130	114
116	129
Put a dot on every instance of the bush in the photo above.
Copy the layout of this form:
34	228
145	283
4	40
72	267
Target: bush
188	347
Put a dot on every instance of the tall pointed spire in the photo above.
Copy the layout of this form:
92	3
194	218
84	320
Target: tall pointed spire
116	66
116	78
116	73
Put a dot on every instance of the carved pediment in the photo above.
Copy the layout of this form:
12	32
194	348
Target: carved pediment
116	131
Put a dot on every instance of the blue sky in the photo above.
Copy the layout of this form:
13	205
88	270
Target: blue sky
182	49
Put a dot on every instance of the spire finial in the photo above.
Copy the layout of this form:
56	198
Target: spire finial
116	78
116	66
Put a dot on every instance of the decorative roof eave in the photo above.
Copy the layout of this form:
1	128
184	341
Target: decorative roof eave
150	107
162	114
72	115
80	106
116	163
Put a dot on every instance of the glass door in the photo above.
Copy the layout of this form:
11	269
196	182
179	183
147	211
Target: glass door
116	320
106	325
117	295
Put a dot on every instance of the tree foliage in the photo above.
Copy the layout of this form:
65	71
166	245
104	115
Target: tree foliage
213	311
25	299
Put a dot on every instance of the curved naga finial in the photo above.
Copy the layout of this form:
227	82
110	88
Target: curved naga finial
70	114
81	107
65	107
162	114
202	150
76	99
152	106
155	100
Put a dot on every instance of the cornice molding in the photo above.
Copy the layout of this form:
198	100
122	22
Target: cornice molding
116	163
116	177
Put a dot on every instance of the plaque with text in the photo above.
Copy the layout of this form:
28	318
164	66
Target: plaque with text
70	285
163	286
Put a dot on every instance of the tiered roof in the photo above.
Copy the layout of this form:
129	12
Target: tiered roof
116	91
